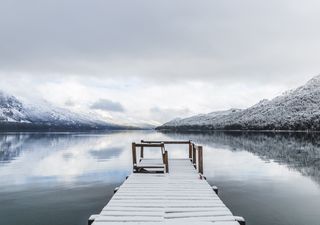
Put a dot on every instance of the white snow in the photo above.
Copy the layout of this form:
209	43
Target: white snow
177	197
15	111
297	109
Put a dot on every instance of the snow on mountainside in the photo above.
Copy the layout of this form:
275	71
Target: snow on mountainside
201	119
12	110
16	115
297	109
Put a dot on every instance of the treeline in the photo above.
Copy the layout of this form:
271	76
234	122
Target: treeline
43	127
296	126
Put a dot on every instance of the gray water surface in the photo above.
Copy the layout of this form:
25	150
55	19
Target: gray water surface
63	178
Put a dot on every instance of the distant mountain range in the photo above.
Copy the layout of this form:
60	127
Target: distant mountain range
18	116
298	109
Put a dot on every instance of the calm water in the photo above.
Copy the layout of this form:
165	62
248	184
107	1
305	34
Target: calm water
61	179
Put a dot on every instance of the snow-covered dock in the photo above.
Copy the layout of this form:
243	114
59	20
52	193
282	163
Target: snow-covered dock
162	191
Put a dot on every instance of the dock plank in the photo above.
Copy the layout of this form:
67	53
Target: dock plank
177	197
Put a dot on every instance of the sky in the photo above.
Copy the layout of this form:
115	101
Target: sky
152	61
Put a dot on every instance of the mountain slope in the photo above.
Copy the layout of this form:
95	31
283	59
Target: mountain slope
297	109
16	115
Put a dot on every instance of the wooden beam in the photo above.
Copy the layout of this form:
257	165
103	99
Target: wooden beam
190	150
134	154
166	161
166	142
200	158
149	145
149	166
141	152
194	155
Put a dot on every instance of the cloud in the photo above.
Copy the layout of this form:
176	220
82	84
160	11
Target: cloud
69	103
108	105
220	41
166	114
175	55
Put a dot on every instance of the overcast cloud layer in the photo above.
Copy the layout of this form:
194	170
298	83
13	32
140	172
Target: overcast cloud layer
154	60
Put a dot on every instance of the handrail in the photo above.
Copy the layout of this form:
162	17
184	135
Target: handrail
195	152
164	153
166	142
149	145
197	157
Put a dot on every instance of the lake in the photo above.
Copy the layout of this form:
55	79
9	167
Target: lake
63	178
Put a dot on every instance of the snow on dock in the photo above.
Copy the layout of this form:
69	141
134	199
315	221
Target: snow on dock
166	191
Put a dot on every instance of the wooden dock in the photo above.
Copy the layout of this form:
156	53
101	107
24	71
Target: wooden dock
166	191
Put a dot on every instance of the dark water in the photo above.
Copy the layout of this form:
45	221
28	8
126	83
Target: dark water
62	179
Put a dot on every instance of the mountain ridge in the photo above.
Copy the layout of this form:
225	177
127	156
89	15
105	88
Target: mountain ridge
16	115
297	109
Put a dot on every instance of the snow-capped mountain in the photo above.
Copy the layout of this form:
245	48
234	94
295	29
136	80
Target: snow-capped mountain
201	119
16	115
297	109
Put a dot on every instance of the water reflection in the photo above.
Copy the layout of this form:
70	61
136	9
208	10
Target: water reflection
30	158
298	151
264	177
10	147
69	176
68	156
106	153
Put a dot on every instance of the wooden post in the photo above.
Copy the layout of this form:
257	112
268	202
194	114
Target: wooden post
194	155
240	220
115	190
162	152
134	154
162	147
190	150
141	152
166	161
200	159
92	219
215	189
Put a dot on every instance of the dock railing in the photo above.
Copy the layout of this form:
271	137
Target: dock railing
143	167
195	152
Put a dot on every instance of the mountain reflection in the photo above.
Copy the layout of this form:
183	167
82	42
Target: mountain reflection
24	157
300	151
12	145
29	157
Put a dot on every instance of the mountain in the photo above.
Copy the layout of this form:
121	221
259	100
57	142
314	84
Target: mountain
298	109
18	116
